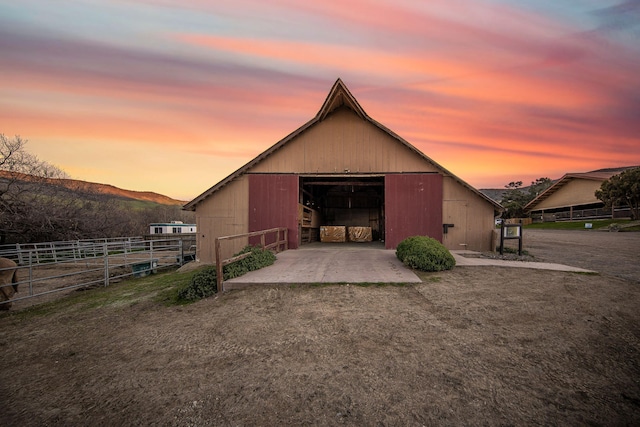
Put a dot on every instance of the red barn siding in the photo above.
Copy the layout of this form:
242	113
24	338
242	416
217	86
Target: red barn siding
413	206
273	202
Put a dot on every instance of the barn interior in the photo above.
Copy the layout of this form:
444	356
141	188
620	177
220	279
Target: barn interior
351	203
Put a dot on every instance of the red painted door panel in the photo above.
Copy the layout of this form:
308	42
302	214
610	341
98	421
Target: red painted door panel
273	202
413	207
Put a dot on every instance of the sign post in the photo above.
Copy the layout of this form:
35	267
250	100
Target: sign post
511	231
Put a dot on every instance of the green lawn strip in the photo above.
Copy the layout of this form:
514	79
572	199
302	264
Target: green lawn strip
160	288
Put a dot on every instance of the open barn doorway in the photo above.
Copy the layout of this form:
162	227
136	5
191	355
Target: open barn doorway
355	202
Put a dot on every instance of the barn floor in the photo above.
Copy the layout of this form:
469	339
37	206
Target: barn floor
331	263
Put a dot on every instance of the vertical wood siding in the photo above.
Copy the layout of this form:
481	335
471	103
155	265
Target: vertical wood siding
224	214
273	202
455	212
471	215
413	205
575	192
344	142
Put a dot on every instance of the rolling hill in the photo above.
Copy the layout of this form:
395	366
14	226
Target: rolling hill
92	188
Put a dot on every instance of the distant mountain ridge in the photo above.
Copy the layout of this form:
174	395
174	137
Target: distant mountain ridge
493	193
86	187
108	189
497	193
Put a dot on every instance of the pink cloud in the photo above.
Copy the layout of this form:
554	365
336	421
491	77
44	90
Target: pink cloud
494	83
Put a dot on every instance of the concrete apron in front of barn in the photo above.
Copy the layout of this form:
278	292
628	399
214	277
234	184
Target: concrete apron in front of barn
330	263
358	263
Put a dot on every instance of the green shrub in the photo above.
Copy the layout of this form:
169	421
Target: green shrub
259	258
425	254
204	282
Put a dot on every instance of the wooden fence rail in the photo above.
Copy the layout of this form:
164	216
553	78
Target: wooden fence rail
220	263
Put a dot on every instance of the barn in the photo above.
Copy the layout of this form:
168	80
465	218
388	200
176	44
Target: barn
572	197
343	170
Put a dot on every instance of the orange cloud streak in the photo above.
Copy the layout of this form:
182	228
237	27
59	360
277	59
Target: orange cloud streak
477	86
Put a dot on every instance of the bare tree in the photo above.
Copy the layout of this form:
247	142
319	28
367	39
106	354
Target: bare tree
14	158
36	207
29	202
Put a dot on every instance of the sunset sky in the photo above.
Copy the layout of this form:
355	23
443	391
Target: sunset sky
171	96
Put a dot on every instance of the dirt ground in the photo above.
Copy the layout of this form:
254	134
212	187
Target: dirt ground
615	254
475	345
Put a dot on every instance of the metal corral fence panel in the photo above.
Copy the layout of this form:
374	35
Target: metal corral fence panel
47	252
47	268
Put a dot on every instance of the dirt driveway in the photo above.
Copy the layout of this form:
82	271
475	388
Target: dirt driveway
614	254
475	345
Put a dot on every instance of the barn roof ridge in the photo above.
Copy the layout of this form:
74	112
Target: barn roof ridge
339	97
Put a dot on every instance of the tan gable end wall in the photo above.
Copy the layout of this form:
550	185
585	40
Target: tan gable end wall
575	192
343	141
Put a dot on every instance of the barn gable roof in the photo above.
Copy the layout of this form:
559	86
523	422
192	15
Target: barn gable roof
339	97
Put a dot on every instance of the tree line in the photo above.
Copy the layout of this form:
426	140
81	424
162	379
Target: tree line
33	208
515	198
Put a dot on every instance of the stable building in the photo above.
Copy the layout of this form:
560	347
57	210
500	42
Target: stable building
344	174
573	197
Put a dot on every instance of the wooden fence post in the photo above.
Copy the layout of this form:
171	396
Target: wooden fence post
286	239
220	263
219	272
